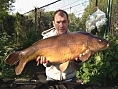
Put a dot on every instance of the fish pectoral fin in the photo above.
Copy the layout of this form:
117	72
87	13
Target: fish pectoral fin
13	58
85	55
63	66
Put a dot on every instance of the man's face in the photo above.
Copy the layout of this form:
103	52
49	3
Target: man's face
61	23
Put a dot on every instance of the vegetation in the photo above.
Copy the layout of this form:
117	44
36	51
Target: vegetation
16	34
102	67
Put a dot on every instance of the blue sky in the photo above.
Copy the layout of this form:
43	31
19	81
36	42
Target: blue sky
71	6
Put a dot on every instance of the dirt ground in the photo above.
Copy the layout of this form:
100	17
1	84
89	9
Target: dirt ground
33	86
10	84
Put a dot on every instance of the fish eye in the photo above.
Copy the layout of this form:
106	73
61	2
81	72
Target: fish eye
100	40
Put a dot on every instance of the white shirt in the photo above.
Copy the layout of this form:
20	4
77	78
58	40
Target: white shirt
53	72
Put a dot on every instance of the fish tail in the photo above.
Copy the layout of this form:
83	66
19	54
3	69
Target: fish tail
20	67
13	58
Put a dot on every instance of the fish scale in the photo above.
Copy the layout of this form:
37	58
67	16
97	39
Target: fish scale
59	49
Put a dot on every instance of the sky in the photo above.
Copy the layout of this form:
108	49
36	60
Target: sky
71	6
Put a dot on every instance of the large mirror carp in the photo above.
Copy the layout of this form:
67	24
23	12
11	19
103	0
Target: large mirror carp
59	49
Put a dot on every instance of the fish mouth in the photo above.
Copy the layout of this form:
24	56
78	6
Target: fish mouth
106	46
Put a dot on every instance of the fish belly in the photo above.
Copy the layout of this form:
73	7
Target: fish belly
63	53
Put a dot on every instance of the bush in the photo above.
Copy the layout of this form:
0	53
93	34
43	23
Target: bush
6	46
102	66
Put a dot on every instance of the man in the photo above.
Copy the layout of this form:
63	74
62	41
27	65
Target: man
65	71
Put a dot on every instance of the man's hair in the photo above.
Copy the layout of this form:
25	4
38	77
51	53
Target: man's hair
61	13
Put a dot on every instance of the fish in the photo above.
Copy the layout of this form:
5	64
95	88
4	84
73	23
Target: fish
59	49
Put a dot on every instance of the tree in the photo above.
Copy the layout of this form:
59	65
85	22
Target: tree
75	23
6	20
6	5
102	68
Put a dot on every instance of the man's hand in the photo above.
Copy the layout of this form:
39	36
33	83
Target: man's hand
42	60
81	58
84	56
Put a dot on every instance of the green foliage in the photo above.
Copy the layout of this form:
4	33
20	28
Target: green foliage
6	5
15	37
42	20
6	46
102	67
103	6
29	38
46	20
25	31
75	23
7	23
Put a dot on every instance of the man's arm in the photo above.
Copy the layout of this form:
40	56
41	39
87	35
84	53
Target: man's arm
76	63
